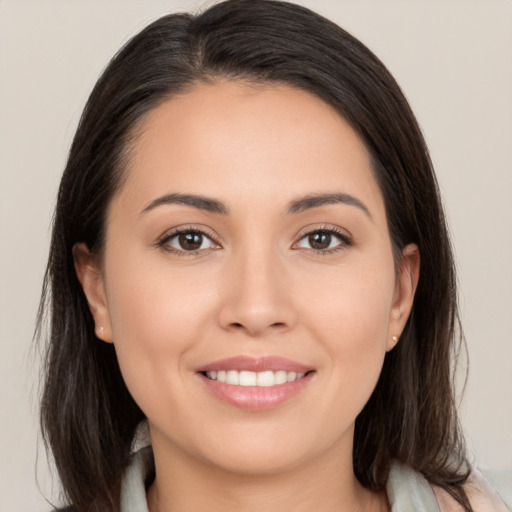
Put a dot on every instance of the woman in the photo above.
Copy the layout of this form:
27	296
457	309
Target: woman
249	256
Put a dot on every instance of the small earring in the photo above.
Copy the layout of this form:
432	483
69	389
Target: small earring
101	328
394	338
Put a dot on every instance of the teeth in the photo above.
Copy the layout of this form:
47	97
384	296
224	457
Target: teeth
247	379
260	379
280	377
232	377
265	379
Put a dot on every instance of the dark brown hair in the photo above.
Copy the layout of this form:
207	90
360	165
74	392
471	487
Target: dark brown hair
88	417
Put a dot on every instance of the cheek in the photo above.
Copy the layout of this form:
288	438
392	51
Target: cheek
351	306
350	316
156	319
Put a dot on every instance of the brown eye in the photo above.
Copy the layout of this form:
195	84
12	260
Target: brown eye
190	241
319	240
324	240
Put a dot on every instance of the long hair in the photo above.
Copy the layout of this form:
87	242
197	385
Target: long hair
88	417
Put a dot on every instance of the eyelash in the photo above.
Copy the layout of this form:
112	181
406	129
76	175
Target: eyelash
163	242
344	238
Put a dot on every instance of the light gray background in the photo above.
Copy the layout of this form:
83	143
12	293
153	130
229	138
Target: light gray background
453	59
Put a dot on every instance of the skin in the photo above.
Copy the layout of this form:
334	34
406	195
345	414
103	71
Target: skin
258	289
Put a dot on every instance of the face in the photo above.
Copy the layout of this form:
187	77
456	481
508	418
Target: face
248	280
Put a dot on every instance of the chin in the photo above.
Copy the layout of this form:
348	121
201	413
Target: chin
267	449
258	461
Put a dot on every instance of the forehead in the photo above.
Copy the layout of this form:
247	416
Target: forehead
271	142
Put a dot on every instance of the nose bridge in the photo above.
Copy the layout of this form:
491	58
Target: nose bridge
256	298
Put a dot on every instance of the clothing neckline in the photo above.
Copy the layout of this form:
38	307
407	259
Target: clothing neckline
407	490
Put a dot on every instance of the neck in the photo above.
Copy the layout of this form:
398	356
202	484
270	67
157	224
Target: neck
187	484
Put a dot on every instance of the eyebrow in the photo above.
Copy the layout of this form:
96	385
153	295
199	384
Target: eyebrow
215	206
196	201
316	200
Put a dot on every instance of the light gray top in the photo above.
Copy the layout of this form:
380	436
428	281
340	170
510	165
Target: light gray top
407	490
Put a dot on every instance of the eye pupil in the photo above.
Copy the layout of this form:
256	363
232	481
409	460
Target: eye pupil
319	240
190	241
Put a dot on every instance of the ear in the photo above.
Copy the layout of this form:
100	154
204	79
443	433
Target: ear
90	277
405	288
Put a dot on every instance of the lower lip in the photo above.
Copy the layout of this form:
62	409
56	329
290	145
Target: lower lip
255	398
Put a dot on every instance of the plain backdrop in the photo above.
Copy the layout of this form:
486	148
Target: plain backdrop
452	58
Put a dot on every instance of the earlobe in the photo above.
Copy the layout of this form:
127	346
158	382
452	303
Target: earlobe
406	284
91	279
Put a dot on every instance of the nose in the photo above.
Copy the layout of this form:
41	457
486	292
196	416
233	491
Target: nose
256	296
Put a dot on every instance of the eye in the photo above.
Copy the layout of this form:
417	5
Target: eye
187	240
324	241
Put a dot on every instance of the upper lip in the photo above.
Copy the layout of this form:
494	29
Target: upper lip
258	364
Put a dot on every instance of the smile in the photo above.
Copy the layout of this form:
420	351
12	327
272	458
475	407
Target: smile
255	384
260	379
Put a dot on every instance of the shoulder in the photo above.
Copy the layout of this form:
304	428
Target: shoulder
489	492
502	483
409	490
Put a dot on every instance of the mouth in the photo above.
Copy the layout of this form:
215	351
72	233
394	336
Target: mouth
259	379
255	384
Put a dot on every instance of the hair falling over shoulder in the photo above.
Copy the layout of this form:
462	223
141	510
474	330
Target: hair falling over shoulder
88	417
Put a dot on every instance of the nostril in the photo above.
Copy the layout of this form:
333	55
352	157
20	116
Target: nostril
238	325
